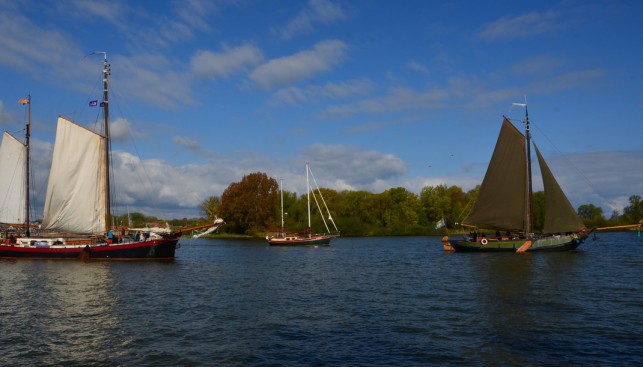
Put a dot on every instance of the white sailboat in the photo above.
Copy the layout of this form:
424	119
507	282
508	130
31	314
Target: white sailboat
306	238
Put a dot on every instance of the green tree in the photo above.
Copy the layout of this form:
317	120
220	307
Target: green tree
353	215
210	207
633	213
250	206
440	201
399	210
591	215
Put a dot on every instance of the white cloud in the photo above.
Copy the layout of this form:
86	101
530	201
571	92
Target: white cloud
400	98
300	66
356	168
231	61
524	25
314	93
605	179
192	145
416	66
112	11
119	130
196	12
317	11
37	50
152	78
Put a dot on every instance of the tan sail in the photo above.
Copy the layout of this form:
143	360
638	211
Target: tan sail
75	199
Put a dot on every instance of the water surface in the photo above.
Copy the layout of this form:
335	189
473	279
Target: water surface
360	302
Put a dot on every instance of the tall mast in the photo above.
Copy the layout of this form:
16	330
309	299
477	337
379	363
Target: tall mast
529	215
530	206
281	189
108	210
27	136
308	195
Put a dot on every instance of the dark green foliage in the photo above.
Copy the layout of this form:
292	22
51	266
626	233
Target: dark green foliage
592	215
633	213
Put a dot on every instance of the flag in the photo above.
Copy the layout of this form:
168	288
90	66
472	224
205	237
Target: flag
93	103
23	101
440	224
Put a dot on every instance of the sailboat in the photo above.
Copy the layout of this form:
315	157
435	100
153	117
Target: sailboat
306	238
504	202
77	213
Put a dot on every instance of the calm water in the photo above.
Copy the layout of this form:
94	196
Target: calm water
361	302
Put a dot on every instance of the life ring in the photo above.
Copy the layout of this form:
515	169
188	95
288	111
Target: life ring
484	241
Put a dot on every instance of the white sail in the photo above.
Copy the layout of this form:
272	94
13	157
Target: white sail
75	199
13	155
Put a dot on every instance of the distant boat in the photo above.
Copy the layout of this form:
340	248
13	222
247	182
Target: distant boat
305	238
77	214
504	203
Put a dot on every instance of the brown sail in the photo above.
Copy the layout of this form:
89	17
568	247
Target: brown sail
502	199
559	213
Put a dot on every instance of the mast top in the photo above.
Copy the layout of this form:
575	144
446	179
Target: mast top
104	53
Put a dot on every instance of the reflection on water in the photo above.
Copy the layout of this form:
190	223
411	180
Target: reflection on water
68	305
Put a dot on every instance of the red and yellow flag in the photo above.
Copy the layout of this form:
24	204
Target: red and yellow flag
23	101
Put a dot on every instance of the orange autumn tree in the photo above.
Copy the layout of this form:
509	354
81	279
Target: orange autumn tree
250	206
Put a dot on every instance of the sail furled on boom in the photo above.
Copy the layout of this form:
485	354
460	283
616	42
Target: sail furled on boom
13	184
502	199
76	181
560	216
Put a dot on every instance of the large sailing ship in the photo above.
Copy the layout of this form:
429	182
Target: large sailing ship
504	203
77	212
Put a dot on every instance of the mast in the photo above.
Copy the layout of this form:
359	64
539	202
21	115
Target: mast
27	136
281	189
530	202
308	195
108	210
529	210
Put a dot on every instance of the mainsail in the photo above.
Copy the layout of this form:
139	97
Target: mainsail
13	187
502	199
75	199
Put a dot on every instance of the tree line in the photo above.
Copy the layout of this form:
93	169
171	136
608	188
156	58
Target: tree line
252	207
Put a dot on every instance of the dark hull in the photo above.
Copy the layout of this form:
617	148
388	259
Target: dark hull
155	249
543	244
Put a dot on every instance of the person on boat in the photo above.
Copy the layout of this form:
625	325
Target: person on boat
474	236
110	237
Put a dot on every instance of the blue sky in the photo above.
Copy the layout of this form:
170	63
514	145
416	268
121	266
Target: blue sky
374	94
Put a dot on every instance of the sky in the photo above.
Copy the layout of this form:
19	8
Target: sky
374	94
